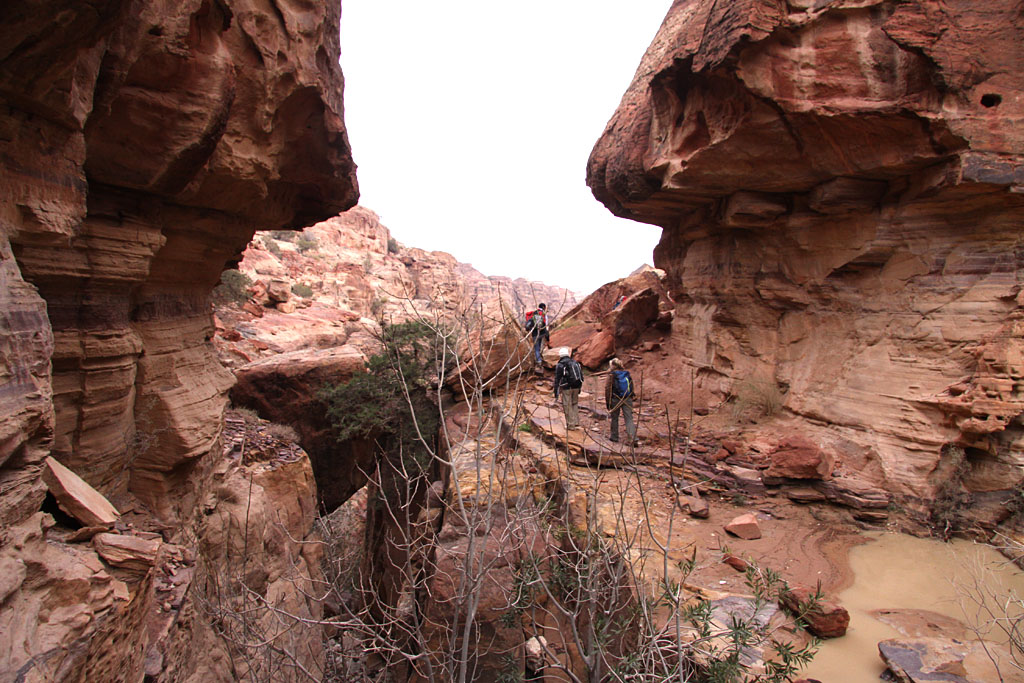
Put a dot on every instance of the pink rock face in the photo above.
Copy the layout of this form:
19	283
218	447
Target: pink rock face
745	527
143	144
839	185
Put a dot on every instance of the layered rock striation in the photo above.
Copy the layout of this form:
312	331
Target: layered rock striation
141	144
841	189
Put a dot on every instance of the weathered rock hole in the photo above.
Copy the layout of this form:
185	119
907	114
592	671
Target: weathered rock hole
990	100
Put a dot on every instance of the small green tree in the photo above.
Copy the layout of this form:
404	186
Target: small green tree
390	402
232	288
306	243
393	247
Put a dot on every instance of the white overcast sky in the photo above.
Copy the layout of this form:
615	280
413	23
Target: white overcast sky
471	122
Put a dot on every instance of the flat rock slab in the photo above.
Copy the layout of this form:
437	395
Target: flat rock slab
128	552
76	497
926	660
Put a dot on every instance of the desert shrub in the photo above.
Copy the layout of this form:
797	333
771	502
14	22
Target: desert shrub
306	243
950	497
756	397
303	290
270	244
250	416
393	247
378	304
283	432
232	288
367	264
284	235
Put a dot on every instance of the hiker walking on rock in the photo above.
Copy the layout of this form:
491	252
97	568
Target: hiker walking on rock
537	325
568	380
618	397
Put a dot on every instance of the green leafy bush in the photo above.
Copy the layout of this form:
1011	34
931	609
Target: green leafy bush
306	243
303	290
390	402
393	247
232	288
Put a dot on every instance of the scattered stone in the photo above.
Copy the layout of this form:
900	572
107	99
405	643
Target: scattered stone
737	563
128	552
253	309
826	619
536	653
698	507
279	291
285	307
745	527
76	497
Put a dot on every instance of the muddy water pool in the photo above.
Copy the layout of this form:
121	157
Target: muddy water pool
893	571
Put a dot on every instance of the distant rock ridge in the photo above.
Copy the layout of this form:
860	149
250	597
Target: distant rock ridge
347	272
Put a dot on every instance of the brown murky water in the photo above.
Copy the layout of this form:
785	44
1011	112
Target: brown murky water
894	571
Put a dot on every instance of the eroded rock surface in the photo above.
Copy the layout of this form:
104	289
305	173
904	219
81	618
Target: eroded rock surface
141	144
840	187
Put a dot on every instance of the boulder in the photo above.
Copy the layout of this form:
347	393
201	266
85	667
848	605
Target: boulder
285	307
279	291
797	457
633	316
745	527
825	619
596	350
76	497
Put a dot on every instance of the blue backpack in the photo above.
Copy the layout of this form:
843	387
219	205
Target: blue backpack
622	384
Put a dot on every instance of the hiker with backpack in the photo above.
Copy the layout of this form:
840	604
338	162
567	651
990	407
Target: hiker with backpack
568	380
537	325
618	397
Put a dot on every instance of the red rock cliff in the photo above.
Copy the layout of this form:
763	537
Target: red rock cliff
841	189
141	144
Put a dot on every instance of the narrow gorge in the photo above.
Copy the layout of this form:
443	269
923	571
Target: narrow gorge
248	435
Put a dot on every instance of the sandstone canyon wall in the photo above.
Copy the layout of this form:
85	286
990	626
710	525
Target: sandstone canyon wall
841	189
141	144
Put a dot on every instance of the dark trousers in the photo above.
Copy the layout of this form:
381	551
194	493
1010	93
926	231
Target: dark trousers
625	406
